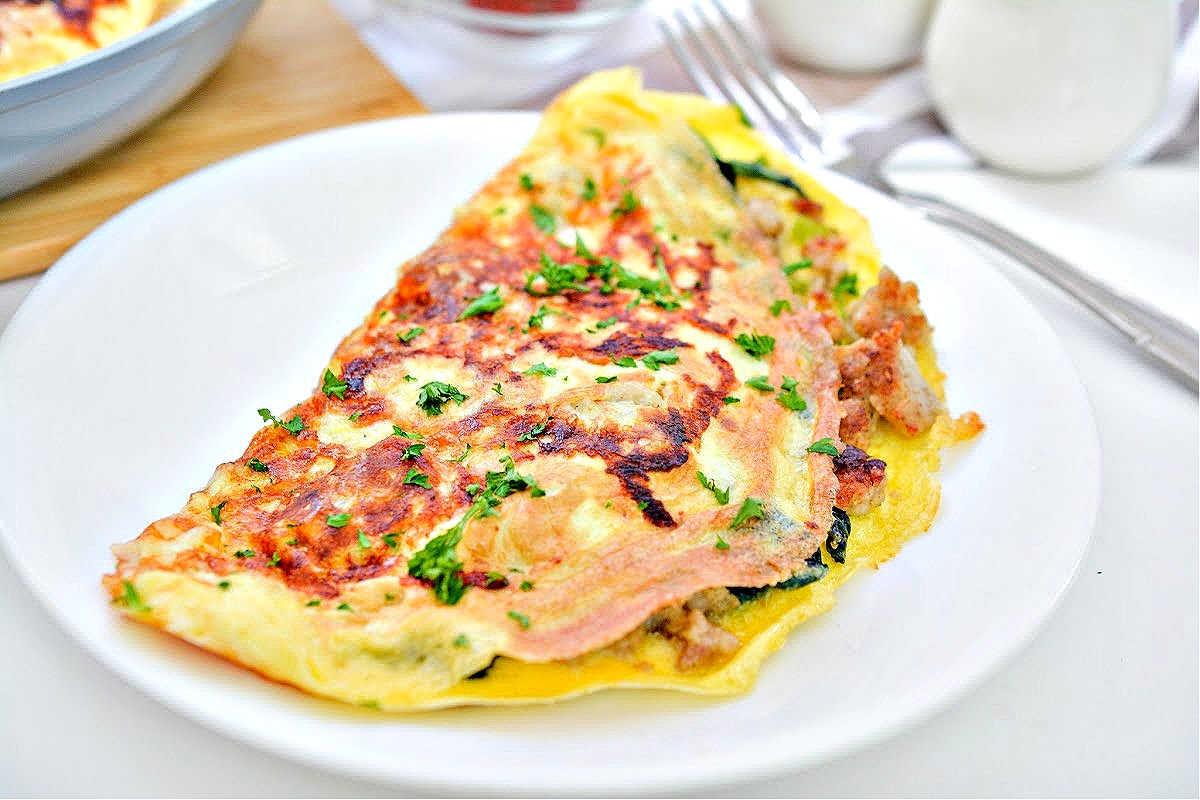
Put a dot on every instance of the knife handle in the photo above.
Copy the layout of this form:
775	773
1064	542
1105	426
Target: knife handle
1172	343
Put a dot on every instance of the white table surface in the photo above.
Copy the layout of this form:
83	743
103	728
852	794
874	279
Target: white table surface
1103	702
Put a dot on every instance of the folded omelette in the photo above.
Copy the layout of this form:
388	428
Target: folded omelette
630	419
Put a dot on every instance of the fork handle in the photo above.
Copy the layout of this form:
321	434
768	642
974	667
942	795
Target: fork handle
1169	341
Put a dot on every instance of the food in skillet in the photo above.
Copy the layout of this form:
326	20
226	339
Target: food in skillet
631	419
37	34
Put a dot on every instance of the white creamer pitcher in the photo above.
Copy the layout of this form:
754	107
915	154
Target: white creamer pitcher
1049	87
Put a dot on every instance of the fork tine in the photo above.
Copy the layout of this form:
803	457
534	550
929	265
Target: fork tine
685	59
795	132
714	79
729	92
804	115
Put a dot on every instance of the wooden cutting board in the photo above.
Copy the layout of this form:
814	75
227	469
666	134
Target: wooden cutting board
299	67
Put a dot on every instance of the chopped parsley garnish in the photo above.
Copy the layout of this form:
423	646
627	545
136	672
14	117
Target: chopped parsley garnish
526	586
779	306
461	640
244	554
338	520
437	561
415	478
520	619
398	431
731	400
498	389
761	383
313	603
224	585
540	369
486	303
274	560
846	286
332	386
607	323
292	426
605	378
364	543
538	318
133	600
464	455
391	540
796	266
756	344
412	451
589	190
657	291
410	378
292	542
627	205
790	400
354	417
536	431
436	394
410	334
654	360
721	543
582	251
722	495
526	182
599	135
625	361
344	607
741	112
555	278
256	465
542	218
788	384
751	509
216	510
825	446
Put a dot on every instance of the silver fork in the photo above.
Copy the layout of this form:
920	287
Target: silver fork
727	65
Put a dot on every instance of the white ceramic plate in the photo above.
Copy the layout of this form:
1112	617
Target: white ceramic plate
137	363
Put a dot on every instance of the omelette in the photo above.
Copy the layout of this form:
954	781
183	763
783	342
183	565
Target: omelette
38	34
636	413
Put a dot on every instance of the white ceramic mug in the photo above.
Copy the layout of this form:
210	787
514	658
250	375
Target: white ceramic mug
1049	87
846	35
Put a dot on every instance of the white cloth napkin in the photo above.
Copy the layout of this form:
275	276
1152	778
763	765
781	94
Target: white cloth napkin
448	81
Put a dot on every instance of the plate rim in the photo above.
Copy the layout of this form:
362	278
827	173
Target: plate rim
770	761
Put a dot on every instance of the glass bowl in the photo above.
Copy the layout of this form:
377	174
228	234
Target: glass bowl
513	33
